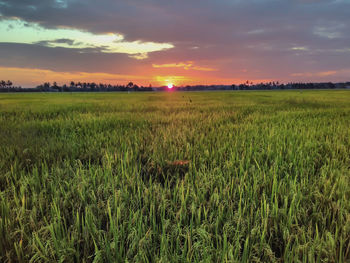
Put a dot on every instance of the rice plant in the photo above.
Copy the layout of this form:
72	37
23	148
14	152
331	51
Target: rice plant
175	177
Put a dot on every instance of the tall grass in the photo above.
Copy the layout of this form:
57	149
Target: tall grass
94	177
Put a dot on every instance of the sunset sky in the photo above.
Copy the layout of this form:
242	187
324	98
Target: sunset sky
174	41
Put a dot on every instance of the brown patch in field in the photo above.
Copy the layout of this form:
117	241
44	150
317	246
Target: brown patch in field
179	163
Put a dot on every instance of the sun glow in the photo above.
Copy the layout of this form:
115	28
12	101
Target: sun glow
170	85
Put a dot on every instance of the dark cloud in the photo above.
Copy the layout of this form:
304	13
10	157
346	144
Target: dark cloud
64	59
182	20
67	41
262	38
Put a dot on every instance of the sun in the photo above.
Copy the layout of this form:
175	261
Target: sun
170	85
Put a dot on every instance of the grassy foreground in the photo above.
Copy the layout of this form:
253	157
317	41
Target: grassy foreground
175	177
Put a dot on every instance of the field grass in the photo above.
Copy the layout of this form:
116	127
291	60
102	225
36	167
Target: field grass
175	177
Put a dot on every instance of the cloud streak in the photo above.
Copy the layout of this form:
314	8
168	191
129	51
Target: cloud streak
31	76
184	65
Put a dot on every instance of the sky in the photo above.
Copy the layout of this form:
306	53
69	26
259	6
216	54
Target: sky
184	42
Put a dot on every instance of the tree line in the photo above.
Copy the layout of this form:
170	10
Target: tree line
7	86
87	86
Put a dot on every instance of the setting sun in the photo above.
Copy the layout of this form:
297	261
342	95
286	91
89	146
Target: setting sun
170	85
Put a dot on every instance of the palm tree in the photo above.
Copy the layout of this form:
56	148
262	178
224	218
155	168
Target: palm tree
130	85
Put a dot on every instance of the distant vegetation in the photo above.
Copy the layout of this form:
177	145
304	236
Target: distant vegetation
93	87
8	86
175	177
74	87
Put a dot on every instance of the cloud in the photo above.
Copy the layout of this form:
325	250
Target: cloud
300	48
66	59
317	74
17	31
30	76
330	32
322	75
184	65
62	3
53	43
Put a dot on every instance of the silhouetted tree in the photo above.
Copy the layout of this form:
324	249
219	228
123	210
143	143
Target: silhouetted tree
130	85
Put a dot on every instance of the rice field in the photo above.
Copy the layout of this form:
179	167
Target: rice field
175	177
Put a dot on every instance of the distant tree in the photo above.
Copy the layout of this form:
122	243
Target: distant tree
9	83
130	85
47	85
93	86
241	87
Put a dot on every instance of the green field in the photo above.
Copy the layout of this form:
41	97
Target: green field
175	177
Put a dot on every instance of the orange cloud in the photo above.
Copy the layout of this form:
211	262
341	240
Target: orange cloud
189	65
177	80
29	76
317	74
327	73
